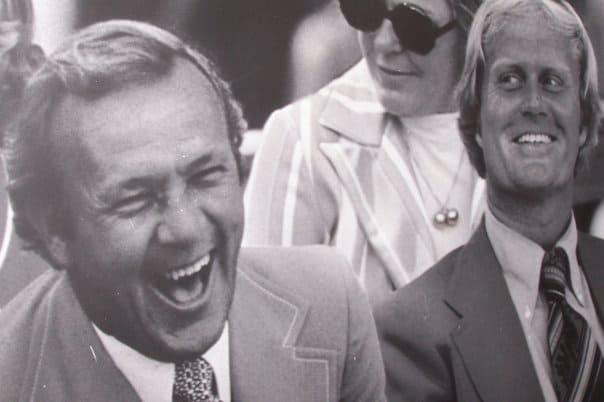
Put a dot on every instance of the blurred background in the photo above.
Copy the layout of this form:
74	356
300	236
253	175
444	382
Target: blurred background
272	52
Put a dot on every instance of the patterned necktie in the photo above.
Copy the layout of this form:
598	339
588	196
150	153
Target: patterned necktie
577	371
194	382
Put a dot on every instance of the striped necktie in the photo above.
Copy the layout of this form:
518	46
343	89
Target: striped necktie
194	382
576	361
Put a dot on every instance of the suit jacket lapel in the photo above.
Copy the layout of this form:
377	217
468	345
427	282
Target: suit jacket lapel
343	159
266	362
489	336
355	146
71	364
394	159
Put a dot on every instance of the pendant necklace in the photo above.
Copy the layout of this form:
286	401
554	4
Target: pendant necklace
445	216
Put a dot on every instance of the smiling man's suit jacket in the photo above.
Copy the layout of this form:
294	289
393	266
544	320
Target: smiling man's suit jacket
454	334
300	330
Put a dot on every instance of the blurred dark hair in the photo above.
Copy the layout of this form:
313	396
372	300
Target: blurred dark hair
19	58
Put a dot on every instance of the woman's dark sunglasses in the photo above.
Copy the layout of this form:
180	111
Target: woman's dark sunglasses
414	30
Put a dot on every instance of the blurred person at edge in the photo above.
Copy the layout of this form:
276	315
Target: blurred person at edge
373	163
590	186
516	313
124	174
19	58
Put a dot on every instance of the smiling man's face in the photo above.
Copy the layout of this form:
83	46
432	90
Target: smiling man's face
530	114
155	212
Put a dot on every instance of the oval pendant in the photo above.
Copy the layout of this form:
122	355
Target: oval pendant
452	216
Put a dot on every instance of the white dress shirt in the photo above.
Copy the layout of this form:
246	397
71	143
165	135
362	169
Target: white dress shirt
153	380
520	259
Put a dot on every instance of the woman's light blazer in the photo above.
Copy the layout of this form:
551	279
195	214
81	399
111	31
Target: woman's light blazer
330	171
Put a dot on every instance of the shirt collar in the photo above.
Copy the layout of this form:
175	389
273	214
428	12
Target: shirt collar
153	380
521	258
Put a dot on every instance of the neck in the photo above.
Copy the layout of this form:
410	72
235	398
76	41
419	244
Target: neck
541	219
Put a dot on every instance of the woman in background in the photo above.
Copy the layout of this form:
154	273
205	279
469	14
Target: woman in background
373	163
19	58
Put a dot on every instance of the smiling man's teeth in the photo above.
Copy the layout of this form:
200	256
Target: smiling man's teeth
188	271
534	138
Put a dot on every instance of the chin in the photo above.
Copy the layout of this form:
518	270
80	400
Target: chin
395	102
395	105
187	344
537	188
541	179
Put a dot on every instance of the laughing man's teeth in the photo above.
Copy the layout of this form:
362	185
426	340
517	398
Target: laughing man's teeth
188	271
534	138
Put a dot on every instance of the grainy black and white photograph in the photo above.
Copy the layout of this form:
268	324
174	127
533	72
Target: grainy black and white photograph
302	200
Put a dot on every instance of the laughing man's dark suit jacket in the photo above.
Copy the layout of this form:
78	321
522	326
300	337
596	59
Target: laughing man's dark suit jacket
454	334
299	330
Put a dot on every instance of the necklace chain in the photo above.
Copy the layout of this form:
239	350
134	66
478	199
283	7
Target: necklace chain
444	216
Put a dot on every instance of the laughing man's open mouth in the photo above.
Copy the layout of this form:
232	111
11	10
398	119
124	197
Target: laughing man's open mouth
185	284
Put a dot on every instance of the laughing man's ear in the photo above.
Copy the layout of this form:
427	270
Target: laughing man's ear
58	251
51	229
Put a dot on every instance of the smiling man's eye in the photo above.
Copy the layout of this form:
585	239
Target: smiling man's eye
552	82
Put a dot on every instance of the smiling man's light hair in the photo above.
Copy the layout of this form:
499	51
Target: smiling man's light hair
491	19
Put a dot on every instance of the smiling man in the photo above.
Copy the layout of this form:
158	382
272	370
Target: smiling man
515	314
124	174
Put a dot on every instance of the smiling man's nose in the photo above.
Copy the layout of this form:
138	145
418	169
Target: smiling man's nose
181	224
533	101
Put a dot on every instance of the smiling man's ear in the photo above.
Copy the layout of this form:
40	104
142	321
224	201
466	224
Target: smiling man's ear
479	139
582	136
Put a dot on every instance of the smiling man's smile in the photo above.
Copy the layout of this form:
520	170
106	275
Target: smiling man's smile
534	138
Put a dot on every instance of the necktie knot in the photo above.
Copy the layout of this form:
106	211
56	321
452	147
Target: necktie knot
194	382
554	274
